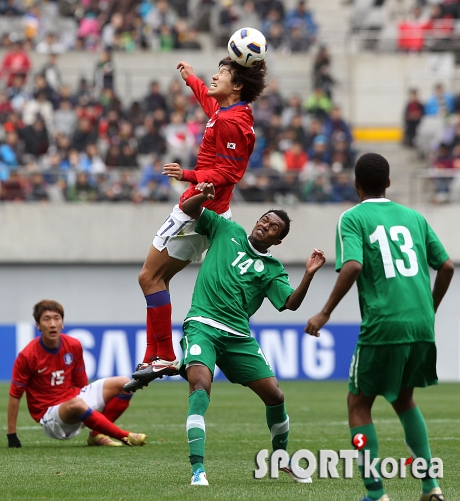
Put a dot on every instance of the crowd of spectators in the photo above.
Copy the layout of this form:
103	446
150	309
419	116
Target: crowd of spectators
59	143
433	128
127	25
407	25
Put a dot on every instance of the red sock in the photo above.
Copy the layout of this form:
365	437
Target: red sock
98	422
115	408
160	318
151	348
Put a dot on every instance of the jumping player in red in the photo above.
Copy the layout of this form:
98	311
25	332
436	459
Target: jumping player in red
227	144
51	371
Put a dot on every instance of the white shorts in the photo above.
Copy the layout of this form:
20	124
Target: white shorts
54	427
177	235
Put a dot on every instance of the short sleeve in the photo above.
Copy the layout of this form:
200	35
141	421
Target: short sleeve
211	224
279	291
436	254
349	241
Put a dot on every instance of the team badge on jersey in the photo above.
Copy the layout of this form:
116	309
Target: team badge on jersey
68	358
231	146
195	350
259	266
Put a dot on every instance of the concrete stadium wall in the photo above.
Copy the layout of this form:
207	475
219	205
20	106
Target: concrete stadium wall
371	87
122	233
110	295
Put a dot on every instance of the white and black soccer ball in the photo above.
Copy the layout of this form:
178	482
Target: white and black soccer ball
247	46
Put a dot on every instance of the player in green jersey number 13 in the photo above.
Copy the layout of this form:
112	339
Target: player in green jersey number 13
388	249
237	273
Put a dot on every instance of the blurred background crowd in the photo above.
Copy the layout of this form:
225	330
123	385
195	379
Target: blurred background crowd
59	143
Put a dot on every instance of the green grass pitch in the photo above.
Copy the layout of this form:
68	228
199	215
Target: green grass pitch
46	469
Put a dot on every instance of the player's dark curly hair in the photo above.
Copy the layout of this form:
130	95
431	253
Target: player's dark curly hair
252	78
47	305
372	172
284	217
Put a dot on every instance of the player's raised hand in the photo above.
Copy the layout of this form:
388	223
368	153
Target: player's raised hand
207	189
173	170
315	261
185	69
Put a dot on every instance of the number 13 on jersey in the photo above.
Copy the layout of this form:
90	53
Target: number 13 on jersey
406	247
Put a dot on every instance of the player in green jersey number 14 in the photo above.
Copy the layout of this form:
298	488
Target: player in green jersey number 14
388	249
237	273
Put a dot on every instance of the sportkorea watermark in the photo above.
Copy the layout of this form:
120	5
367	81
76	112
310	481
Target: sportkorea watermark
326	463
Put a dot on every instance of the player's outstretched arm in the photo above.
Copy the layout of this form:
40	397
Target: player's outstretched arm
192	206
347	277
442	282
13	410
314	263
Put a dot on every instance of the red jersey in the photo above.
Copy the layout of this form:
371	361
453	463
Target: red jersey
49	377
227	144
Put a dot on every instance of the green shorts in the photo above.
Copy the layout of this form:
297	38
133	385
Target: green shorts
240	358
388	369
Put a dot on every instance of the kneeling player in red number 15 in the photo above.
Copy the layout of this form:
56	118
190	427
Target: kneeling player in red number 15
51	371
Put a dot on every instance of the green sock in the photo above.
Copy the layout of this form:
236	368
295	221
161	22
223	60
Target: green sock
278	424
198	403
416	437
374	486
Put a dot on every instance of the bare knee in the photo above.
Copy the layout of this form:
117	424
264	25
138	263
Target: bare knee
76	406
276	397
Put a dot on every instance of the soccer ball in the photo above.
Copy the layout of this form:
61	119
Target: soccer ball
247	46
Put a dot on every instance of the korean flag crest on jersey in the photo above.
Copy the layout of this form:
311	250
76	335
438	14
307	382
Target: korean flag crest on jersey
68	358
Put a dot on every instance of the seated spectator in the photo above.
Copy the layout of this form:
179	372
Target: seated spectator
411	32
35	137
293	107
227	18
82	190
91	161
441	103
154	99
89	28
334	124
295	157
300	19
287	189
83	135
318	103
255	188
10	9
16	63
413	113
122	190
104	73
342	155
110	29
343	189
443	165
50	45
320	150
113	156
13	188
276	38
317	190
9	155
34	23
39	106
65	118
51	73
37	188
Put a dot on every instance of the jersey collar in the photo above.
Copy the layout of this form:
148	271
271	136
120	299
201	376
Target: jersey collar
267	254
53	352
376	200
240	103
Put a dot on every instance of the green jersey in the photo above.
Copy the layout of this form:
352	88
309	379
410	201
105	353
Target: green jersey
395	246
234	278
